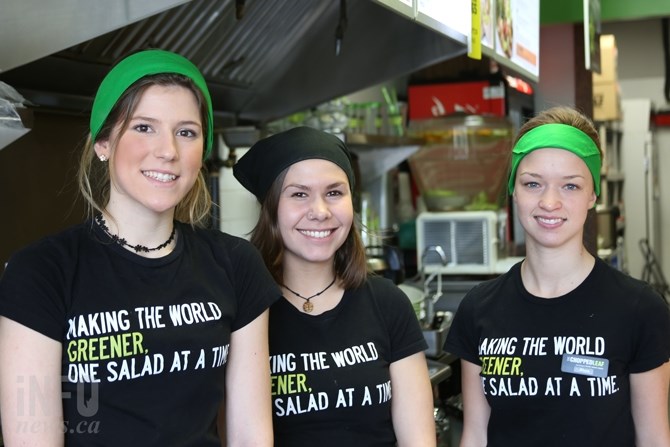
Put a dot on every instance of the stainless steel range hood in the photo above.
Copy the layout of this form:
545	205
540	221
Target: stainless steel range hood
277	59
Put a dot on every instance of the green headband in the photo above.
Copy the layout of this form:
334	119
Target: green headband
133	68
561	136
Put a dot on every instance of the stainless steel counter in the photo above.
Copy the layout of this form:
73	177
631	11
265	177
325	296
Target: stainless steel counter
438	371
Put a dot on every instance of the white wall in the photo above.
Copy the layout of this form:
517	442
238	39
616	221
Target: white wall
239	208
641	75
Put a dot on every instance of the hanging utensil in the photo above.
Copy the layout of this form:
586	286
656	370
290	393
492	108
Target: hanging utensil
431	300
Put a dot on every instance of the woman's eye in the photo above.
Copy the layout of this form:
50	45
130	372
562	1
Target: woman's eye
187	133
335	193
572	187
142	127
299	194
531	185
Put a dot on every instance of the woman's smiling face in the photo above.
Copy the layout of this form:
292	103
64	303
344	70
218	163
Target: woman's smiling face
554	191
315	212
158	156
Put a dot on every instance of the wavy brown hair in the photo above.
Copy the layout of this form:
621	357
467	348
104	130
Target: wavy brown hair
350	262
93	176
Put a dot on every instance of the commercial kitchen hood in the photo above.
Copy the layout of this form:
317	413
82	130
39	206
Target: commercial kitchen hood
278	58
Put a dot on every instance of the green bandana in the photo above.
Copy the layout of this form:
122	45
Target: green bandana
135	67
561	136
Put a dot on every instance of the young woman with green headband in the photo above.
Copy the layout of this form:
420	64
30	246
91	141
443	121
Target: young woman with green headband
139	326
563	349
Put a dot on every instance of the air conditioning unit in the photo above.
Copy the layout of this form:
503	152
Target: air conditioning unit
461	242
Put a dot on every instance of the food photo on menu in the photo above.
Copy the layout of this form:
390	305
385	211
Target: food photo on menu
504	27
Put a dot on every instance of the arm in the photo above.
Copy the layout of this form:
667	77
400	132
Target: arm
476	410
649	400
221	424
248	403
412	403
30	387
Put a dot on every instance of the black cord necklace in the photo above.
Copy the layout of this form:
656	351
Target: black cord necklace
307	306
121	241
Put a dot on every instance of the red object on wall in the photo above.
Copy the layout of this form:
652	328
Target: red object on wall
477	97
661	119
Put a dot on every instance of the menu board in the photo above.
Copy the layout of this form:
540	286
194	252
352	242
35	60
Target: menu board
451	18
511	34
509	29
404	7
486	17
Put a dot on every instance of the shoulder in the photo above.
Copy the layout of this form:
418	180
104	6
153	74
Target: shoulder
211	235
610	280
382	288
219	242
490	288
56	248
492	295
608	276
384	296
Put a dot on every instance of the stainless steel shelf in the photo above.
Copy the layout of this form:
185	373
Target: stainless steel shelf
386	141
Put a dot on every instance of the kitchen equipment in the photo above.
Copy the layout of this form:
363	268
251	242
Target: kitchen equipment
434	325
464	164
461	175
386	261
416	297
472	242
606	224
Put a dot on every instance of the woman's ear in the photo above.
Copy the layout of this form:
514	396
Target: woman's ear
102	149
592	201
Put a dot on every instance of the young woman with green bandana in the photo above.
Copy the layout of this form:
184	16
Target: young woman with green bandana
139	326
563	349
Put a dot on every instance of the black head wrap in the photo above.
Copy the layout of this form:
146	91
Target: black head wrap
260	166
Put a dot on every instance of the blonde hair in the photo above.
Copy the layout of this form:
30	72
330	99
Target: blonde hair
93	176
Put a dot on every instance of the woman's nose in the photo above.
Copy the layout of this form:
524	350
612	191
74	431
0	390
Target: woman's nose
550	200
166	148
319	210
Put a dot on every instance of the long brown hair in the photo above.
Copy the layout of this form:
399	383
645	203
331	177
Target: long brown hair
93	176
350	262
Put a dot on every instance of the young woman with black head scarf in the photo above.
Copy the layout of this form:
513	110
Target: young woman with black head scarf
346	349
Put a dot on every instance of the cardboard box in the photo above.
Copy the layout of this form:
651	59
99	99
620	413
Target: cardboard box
606	101
608	60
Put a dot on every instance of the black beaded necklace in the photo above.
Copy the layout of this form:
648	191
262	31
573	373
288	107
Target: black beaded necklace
307	306
139	247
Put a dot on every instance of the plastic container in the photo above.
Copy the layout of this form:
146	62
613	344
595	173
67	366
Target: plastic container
465	164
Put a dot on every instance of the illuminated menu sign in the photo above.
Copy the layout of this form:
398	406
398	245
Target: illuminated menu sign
451	18
404	7
509	30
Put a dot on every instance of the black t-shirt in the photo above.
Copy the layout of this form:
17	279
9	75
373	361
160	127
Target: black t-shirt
556	372
331	384
145	341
